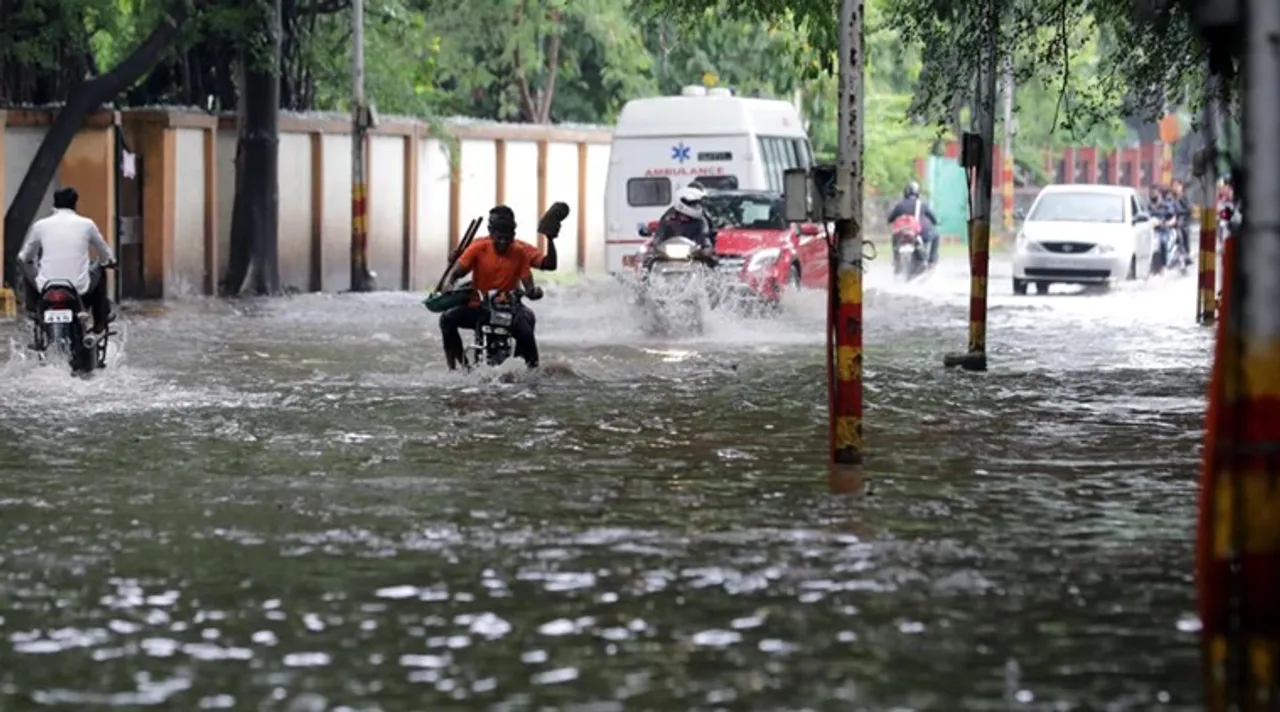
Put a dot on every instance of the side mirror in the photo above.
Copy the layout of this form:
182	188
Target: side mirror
1140	218
1019	214
808	229
643	230
795	194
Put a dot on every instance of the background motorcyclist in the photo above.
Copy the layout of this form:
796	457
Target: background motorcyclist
1182	211
928	221
63	243
686	218
494	264
1163	216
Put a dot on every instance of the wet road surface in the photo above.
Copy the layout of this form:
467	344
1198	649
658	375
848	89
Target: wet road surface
291	505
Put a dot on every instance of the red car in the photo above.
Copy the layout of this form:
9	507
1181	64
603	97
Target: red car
767	253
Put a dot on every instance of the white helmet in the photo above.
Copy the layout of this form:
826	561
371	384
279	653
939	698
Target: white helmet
689	201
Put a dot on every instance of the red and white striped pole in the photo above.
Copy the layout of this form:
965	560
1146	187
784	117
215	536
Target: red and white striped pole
844	315
1238	551
359	183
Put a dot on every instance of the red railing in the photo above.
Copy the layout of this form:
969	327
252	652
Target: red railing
1137	167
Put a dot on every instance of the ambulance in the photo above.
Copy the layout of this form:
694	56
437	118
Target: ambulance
719	140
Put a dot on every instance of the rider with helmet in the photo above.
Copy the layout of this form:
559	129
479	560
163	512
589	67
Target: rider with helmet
61	246
928	221
494	263
686	218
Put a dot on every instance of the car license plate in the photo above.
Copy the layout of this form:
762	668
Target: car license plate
58	316
500	318
674	268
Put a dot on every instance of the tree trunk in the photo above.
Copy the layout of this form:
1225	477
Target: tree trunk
254	260
82	102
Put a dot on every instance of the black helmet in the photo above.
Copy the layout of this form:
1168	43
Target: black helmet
912	190
502	222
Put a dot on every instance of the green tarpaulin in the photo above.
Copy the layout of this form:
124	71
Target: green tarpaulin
948	195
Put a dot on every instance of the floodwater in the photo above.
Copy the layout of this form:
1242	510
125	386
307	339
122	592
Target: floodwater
291	505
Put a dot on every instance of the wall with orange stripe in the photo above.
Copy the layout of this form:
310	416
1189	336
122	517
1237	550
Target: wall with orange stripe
425	184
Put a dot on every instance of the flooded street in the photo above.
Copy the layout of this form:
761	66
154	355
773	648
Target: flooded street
292	505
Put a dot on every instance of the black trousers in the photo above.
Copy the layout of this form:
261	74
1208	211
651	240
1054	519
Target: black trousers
95	298
466	317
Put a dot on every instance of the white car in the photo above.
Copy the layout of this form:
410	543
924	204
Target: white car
1082	234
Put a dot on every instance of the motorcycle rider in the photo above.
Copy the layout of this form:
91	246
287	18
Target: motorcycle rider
686	218
928	221
1163	215
63	243
1182	210
548	227
494	263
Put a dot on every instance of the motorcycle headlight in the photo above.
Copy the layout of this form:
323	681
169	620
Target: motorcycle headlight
763	259
676	252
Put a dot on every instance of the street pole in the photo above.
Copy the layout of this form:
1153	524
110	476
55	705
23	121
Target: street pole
359	130
1006	170
1206	297
1238	553
844	315
975	358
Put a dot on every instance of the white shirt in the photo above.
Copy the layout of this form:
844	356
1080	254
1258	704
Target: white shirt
63	242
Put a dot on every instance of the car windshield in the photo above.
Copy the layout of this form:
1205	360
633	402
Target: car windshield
1078	207
753	212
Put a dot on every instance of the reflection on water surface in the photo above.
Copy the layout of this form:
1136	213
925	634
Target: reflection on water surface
291	505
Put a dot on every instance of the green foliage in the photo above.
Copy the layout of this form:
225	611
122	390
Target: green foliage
1079	67
1137	60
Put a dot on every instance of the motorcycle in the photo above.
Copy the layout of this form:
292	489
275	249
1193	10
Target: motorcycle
1228	221
1170	255
910	254
673	280
63	323
494	342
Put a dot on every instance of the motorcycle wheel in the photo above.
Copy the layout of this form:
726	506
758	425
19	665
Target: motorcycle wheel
83	360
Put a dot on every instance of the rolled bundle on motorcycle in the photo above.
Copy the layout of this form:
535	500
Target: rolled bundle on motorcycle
439	302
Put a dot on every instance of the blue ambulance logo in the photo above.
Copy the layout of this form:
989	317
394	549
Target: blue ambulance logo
680	152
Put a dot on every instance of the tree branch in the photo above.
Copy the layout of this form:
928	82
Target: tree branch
83	100
548	93
530	108
1066	61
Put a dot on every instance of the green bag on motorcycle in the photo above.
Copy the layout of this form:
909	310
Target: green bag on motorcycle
439	302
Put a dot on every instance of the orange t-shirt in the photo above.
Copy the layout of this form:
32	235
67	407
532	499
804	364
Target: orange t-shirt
535	255
490	270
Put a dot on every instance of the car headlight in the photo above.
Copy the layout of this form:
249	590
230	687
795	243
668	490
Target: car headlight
1022	244
1106	248
676	252
763	259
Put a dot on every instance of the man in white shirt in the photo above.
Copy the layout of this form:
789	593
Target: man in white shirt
63	243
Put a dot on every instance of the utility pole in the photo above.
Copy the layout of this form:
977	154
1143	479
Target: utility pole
1238	550
1206	296
359	130
844	316
977	158
1006	170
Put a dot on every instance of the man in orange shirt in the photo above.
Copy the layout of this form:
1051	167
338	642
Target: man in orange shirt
495	263
548	227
